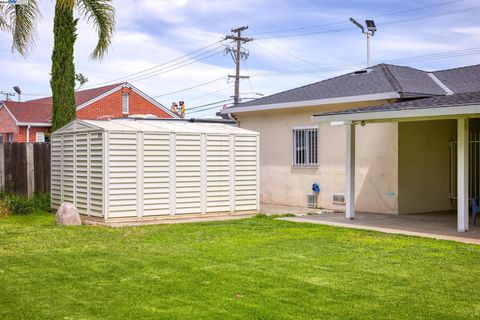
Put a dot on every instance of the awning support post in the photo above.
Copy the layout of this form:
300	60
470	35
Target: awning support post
462	175
350	173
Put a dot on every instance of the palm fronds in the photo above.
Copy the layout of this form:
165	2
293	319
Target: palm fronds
102	14
21	21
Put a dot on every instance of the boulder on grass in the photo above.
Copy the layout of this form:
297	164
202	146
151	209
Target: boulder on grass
68	215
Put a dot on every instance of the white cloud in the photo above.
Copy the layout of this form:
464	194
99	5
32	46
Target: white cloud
151	32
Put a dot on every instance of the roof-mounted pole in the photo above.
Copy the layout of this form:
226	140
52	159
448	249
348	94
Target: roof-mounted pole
371	28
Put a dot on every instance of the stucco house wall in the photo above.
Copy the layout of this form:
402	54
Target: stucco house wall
424	165
282	183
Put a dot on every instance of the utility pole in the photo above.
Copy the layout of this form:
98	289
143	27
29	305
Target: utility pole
237	54
7	94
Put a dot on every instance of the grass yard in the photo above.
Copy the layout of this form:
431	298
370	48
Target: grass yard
256	268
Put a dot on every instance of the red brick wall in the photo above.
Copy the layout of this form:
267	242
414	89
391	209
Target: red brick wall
7	124
21	136
111	107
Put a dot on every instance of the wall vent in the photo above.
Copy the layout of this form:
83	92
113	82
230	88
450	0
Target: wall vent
338	198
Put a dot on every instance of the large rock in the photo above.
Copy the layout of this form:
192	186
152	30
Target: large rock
68	215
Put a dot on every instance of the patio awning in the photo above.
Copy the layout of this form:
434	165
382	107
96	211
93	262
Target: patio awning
459	107
455	106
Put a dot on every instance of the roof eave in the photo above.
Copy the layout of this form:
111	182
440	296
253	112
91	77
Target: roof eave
427	113
316	102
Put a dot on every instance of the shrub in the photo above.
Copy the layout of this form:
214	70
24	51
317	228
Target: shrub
13	204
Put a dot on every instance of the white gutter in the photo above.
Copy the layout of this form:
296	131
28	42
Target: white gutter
401	115
28	134
34	124
316	102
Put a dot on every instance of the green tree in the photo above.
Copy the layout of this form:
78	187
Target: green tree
20	20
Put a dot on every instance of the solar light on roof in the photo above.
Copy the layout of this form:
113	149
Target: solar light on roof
371	29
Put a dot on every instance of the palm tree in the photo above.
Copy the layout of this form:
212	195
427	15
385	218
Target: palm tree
20	20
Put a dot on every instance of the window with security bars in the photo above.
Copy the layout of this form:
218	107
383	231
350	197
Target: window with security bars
305	142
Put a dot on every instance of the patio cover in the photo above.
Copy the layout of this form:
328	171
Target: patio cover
460	107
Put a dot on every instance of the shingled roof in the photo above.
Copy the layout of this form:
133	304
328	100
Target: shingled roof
40	110
454	100
382	78
81	96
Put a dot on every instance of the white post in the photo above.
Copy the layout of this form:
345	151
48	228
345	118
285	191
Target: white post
368	49
462	175
350	173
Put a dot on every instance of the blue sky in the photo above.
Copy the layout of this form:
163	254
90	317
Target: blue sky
152	32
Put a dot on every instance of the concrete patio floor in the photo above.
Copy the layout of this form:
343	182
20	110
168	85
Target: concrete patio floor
438	225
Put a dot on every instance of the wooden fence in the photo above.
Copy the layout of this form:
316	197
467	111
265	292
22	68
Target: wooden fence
25	168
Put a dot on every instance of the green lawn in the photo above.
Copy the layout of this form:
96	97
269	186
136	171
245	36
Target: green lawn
256	268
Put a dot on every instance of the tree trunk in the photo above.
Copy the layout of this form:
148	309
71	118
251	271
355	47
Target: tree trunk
63	68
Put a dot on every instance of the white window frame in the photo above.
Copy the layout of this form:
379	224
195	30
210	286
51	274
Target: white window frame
41	135
310	157
10	137
125	103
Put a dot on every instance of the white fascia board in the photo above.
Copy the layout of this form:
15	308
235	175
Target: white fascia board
152	101
34	124
317	102
399	115
89	102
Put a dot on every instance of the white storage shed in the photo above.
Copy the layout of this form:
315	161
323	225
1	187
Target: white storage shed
136	169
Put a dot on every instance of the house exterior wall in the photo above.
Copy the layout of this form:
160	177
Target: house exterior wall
7	124
21	135
284	184
424	165
111	107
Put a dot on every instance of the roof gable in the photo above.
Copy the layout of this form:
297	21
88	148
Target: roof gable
26	112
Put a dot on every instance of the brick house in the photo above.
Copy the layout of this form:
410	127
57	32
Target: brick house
30	121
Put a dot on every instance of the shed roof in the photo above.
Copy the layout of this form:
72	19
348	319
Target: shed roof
154	125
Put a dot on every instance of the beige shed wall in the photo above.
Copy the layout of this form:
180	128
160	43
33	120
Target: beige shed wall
424	160
284	184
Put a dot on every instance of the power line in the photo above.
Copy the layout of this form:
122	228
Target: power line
208	104
158	65
420	58
433	15
179	64
189	88
372	17
211	108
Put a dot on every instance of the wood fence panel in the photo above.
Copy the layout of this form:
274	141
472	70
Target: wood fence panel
41	160
7	153
25	168
19	169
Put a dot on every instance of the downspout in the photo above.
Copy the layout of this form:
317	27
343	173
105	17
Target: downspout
234	119
28	134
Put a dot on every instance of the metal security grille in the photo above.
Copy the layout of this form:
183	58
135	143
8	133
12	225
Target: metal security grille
473	167
305	142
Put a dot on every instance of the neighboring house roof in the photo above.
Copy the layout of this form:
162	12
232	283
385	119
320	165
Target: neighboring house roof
29	112
460	103
83	96
377	82
39	111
